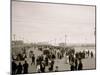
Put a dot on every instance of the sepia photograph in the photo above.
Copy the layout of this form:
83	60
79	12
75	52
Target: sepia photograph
52	37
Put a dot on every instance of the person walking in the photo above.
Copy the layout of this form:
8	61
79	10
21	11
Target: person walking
56	70
19	68
76	64
72	67
14	67
38	68
42	66
51	65
33	59
25	67
80	66
91	54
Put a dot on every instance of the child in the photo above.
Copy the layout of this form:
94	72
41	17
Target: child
56	70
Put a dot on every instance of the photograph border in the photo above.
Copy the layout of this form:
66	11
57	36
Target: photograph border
58	4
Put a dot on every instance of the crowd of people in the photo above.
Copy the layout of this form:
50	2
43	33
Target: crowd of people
47	59
19	69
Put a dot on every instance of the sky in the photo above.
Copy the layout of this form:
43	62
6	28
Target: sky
43	22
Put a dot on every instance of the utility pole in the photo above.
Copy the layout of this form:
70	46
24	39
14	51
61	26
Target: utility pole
55	41
14	39
95	31
65	39
23	38
14	36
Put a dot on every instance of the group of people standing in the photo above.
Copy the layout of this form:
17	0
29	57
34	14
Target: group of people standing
44	61
76	65
75	59
19	69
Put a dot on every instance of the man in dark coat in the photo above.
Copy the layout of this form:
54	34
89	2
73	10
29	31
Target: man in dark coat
88	52
42	66
80	66
91	54
14	66
33	59
25	67
46	61
72	67
19	68
76	64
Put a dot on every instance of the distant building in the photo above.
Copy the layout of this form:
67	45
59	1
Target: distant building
43	43
17	42
62	44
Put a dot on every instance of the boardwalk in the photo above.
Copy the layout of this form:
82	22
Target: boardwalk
88	63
